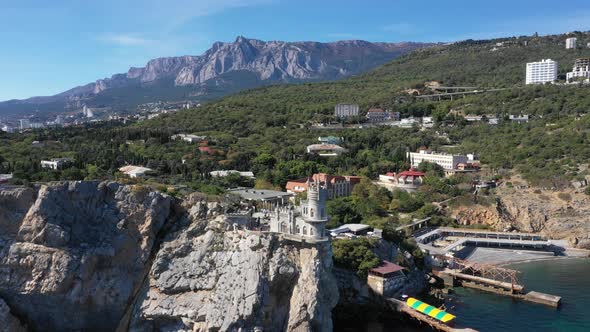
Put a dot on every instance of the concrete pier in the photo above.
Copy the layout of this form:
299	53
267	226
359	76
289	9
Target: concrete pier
542	298
453	278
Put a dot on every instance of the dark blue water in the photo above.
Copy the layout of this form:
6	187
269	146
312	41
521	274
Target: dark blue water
568	278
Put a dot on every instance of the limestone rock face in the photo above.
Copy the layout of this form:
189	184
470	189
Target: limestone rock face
211	278
89	256
557	214
14	204
74	259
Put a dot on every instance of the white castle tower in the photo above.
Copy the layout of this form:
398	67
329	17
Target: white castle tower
308	220
313	210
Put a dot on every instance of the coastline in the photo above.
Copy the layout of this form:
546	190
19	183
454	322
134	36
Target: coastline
505	257
540	259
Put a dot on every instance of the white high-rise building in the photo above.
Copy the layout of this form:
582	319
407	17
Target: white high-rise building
24	124
87	111
581	71
448	162
544	71
571	43
346	110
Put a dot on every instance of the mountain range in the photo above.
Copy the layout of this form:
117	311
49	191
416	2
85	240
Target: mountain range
223	69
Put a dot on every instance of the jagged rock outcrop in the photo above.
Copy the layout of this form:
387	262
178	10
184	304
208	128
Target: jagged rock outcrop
273	60
14	204
74	260
225	68
209	277
558	214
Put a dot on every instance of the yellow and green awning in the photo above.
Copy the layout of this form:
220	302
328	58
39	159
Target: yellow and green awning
429	310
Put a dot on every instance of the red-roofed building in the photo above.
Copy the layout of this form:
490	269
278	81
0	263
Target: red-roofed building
408	180
386	278
377	115
338	186
206	149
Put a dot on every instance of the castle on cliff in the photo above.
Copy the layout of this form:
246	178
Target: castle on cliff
308	220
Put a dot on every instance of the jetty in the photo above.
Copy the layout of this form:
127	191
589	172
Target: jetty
402	307
489	278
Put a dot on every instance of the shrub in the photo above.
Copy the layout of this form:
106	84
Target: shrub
356	255
564	196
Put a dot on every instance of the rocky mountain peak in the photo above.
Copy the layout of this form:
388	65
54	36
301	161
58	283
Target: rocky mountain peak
225	65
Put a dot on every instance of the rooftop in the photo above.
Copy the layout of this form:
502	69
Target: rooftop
259	194
412	172
386	267
224	173
350	228
325	147
130	169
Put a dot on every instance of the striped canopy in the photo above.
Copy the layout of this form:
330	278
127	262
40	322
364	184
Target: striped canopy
429	310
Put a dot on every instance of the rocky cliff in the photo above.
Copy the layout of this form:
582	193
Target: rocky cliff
80	248
208	278
273	60
103	257
558	214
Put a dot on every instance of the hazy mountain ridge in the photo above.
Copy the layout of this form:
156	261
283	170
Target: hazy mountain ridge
270	62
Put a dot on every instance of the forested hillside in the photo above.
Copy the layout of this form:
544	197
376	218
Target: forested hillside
266	130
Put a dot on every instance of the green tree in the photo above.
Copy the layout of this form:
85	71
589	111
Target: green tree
356	255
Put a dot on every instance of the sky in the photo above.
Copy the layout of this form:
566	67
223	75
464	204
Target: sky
48	47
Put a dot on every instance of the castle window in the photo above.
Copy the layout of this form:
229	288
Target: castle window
304	230
311	214
310	231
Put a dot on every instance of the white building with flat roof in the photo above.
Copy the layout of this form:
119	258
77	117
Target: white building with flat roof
446	161
544	71
326	150
571	43
224	173
56	163
188	138
135	171
24	124
346	110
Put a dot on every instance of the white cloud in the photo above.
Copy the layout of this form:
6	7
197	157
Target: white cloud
400	28
126	40
170	14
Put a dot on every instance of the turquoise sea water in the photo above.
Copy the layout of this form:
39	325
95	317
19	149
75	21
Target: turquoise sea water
568	278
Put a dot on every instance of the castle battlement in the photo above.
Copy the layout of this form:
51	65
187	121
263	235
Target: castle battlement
307	220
